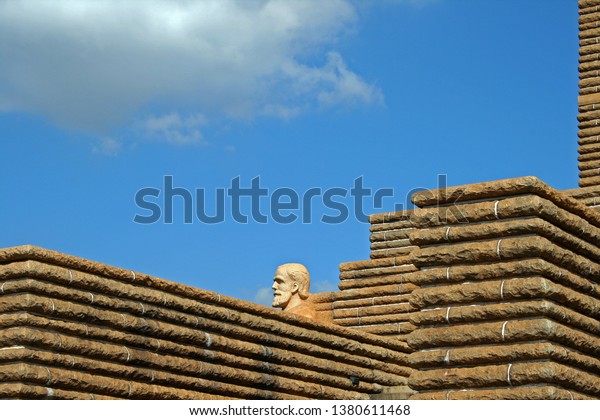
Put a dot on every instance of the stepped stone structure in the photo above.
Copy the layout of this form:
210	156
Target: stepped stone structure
501	298
72	328
589	93
484	291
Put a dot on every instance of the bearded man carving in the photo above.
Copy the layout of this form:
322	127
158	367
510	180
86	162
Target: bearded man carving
291	289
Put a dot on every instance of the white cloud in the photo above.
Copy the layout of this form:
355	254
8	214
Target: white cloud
173	128
264	296
97	65
324	286
107	146
334	83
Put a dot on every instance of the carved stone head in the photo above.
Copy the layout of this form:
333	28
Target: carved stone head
291	286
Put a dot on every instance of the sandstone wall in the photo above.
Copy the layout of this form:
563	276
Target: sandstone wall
500	292
590	196
493	293
374	294
589	93
72	328
509	302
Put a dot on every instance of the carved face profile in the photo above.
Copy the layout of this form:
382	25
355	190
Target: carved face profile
283	288
291	286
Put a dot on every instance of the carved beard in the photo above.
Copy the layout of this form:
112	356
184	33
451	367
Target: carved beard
281	300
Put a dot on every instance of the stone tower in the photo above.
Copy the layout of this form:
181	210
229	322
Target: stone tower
589	93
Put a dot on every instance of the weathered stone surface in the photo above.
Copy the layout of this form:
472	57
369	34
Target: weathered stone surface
17	390
159	339
508	228
588	164
391	299
589	181
591	202
95	384
198	376
587	92
514	374
335	299
590	107
495	189
370	264
588	100
583	193
588	63
478	191
401	243
400	320
506	290
477	356
527	393
543	237
526	267
587	58
592	114
397	330
588	21
220	350
376	282
587	140
587	6
590	146
197	327
505	249
588	156
223	316
387	234
512	331
588	50
505	311
187	378
216	367
399	308
507	208
394	393
392	252
101	277
375	272
589	96
584	42
389	217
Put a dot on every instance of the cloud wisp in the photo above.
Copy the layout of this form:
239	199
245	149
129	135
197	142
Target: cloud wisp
173	128
94	66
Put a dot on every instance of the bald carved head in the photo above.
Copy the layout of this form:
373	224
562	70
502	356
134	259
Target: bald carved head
291	286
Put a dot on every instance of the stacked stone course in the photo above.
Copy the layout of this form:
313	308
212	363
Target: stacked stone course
373	297
485	291
496	297
589	93
509	299
504	299
72	328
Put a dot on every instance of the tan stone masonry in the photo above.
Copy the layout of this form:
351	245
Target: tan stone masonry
502	298
484	291
87	330
496	297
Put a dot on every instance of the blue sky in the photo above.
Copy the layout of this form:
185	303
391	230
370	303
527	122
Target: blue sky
101	99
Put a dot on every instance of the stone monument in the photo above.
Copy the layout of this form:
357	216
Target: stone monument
291	290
